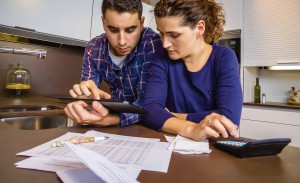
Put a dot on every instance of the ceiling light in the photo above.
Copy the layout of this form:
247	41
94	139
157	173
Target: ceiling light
284	67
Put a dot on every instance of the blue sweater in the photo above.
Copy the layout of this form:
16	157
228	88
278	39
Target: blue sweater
214	88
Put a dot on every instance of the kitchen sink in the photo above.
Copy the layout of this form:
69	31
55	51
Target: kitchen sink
39	122
27	108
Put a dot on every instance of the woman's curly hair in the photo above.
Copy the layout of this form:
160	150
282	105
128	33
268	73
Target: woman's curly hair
191	11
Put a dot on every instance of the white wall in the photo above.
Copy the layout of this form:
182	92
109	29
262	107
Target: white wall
277	84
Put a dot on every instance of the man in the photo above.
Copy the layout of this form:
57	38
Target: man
120	57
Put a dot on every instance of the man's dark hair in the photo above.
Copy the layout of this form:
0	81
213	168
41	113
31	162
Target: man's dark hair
121	6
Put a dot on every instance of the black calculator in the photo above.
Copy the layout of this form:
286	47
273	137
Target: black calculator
243	147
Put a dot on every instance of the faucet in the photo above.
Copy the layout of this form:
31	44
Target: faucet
41	54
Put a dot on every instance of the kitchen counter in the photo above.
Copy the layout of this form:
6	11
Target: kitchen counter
7	102
197	168
214	167
37	100
277	105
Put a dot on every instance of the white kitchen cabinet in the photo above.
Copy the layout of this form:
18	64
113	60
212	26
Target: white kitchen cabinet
270	36
262	123
271	32
233	13
67	18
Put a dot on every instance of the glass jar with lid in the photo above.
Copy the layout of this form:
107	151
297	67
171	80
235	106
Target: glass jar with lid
18	82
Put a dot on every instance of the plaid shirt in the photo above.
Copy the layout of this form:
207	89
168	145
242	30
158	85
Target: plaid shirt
127	83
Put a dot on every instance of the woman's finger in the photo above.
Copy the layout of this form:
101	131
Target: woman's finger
229	125
216	125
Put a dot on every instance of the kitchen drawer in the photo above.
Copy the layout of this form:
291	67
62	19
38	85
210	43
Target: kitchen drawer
265	130
273	116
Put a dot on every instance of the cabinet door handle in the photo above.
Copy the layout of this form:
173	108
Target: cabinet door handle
25	28
288	62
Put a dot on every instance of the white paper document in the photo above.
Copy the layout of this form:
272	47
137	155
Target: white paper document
100	165
46	149
130	154
148	153
78	176
185	145
48	164
83	175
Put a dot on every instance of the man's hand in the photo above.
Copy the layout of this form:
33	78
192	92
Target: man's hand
99	115
88	89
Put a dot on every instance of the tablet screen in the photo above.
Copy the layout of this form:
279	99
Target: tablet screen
111	105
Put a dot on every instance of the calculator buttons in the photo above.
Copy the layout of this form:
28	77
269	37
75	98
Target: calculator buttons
232	143
243	147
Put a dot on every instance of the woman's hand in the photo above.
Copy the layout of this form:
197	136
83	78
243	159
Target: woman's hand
212	126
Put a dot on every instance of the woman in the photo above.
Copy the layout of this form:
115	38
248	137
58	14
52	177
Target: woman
196	91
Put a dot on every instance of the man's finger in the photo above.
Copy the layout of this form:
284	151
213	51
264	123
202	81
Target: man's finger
100	109
72	93
68	113
71	113
85	90
104	95
77	90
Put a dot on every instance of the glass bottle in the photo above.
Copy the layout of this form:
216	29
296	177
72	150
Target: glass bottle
18	82
263	100
257	91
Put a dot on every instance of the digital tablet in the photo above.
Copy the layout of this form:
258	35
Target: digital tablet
111	105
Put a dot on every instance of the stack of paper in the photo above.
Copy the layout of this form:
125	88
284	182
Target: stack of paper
129	154
184	145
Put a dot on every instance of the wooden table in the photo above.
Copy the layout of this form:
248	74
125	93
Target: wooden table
217	166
